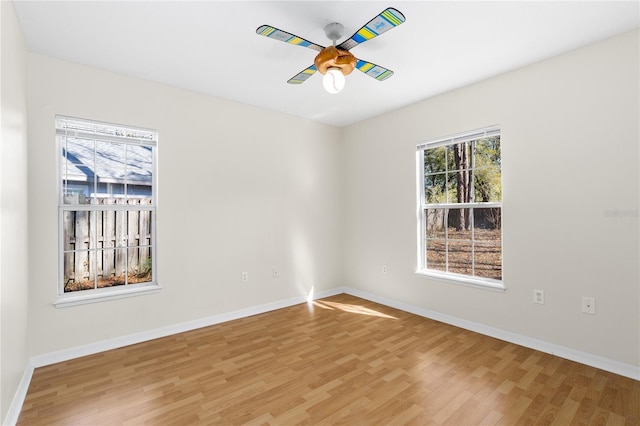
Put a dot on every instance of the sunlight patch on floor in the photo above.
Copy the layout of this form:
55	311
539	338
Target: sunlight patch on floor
321	305
354	309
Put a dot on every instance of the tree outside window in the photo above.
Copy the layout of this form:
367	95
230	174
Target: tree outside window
461	206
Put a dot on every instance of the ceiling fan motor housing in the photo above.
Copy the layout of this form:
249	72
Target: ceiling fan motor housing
332	57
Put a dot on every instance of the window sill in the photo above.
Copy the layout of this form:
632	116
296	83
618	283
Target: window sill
465	281
67	300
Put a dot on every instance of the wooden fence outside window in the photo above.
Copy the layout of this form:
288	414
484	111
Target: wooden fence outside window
107	247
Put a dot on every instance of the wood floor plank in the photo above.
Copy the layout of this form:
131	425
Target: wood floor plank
340	360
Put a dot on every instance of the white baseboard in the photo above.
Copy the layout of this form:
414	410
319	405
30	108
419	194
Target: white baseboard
118	342
596	361
627	370
18	399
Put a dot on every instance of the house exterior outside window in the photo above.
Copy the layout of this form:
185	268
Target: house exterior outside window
106	210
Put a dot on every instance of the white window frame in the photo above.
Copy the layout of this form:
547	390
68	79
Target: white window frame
127	135
422	206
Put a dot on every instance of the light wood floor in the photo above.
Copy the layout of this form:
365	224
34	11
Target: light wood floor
341	360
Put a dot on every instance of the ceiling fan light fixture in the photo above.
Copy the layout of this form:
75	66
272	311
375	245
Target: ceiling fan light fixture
334	64
333	80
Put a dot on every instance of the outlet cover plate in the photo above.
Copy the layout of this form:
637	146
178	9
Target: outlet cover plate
589	305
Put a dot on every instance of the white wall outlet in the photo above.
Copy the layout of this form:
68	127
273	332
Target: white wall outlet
538	296
588	305
244	277
275	273
384	269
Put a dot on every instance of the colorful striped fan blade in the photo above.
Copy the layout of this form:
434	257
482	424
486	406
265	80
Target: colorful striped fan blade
276	34
373	70
386	20
302	76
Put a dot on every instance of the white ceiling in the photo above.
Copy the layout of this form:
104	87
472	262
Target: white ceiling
211	46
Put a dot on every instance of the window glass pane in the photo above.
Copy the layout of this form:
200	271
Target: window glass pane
78	230
436	223
487	182
68	230
435	187
120	266
84	278
106	266
435	160
107	228
110	167
487	152
459	257
487	179
458	156
79	273
139	171
459	223
69	271
452	188
77	171
133	240
144	228
488	260
139	242
140	267
459	189
487	224
121	228
111	267
436	255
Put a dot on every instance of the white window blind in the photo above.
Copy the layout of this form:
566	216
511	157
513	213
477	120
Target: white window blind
462	137
84	129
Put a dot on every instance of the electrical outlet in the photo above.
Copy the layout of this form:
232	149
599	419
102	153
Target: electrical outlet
589	305
244	277
384	269
538	296
275	273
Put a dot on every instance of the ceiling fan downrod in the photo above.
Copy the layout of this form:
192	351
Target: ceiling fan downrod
334	31
333	58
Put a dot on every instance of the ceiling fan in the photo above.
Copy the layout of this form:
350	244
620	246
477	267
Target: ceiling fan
336	61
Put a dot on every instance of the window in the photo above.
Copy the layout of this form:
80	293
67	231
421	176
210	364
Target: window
460	208
107	209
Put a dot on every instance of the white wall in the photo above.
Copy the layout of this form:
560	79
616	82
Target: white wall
240	189
570	140
14	281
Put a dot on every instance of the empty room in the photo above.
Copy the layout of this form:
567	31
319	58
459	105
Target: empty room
306	212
